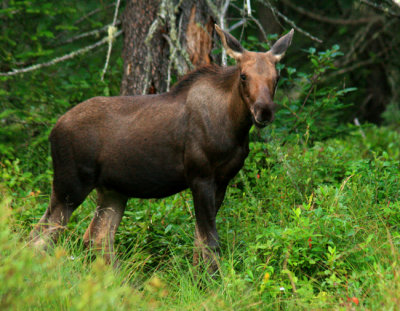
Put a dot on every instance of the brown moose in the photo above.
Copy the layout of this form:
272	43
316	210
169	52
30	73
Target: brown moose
153	146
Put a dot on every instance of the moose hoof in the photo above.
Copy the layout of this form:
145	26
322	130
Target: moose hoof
209	260
39	243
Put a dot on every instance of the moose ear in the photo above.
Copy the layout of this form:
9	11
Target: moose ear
232	46
279	48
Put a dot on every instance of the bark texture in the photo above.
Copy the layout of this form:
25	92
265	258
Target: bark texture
137	19
196	22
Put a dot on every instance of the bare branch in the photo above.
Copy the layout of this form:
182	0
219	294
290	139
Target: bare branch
330	20
366	62
61	58
238	24
353	67
290	22
85	17
365	43
220	14
358	39
248	7
92	13
380	8
255	20
111	30
261	29
95	32
222	24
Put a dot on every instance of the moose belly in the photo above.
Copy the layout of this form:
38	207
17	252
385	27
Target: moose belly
143	174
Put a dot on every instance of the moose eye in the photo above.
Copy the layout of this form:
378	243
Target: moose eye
243	77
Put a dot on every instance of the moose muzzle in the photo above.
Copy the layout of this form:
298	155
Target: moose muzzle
263	113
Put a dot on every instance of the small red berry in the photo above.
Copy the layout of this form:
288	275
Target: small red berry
355	300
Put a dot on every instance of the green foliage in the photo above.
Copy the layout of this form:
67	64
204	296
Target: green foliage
32	281
312	111
30	103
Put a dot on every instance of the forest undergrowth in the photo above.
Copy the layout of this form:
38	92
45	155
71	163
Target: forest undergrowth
302	227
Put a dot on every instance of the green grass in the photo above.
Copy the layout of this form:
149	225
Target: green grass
302	227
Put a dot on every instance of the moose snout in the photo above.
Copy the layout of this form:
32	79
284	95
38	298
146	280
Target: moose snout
263	113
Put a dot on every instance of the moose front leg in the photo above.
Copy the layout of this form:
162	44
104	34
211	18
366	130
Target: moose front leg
206	236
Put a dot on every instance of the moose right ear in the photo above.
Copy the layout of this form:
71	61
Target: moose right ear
232	46
279	48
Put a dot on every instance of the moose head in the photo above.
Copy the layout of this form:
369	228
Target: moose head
258	74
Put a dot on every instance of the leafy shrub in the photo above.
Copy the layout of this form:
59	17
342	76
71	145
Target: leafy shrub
311	111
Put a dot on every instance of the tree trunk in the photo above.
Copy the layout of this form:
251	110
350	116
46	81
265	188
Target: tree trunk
180	39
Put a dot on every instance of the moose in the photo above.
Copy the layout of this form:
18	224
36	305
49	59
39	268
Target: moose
195	136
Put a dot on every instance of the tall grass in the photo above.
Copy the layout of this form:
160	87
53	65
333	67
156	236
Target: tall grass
302	227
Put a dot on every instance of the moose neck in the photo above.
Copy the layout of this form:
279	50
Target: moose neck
238	110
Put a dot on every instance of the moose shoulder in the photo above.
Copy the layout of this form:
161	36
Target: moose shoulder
195	136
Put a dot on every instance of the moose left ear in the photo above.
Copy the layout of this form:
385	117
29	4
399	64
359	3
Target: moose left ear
279	48
232	46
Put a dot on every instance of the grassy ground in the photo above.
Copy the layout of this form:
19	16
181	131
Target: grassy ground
301	228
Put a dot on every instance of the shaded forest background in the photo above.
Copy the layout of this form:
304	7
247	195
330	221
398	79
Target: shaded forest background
34	32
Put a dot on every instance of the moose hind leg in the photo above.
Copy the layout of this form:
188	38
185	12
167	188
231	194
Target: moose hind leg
101	231
57	215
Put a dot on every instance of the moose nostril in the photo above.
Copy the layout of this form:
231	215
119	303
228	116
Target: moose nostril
263	113
267	115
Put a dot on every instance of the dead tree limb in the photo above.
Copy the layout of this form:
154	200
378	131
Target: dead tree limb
111	30
380	7
290	22
95	32
329	20
61	58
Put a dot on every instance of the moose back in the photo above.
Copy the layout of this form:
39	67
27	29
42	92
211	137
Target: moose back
195	136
